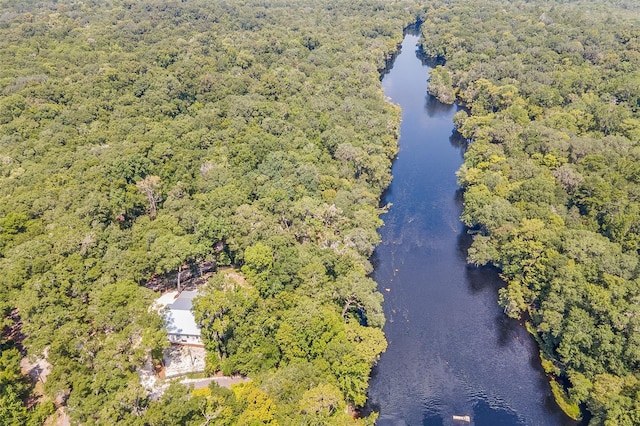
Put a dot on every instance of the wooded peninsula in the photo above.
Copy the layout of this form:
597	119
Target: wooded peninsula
140	140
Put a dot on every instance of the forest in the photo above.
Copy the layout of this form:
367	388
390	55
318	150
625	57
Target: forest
138	139
551	91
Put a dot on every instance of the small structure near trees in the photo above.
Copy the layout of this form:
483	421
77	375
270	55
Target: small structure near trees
181	324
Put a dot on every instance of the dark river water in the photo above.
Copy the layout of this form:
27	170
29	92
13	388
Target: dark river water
451	349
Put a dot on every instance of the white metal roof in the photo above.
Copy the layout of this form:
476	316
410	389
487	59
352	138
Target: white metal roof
182	322
180	319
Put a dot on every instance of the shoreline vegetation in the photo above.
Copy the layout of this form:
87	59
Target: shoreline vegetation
552	97
144	139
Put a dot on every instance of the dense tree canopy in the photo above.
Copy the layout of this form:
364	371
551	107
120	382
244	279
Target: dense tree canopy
552	92
143	138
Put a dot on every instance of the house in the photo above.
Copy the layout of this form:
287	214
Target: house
181	324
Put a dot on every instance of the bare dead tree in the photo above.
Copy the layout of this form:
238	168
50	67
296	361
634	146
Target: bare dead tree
149	186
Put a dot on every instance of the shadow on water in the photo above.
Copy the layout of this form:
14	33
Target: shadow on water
435	108
458	141
487	279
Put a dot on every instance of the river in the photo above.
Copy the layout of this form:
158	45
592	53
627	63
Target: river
451	350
